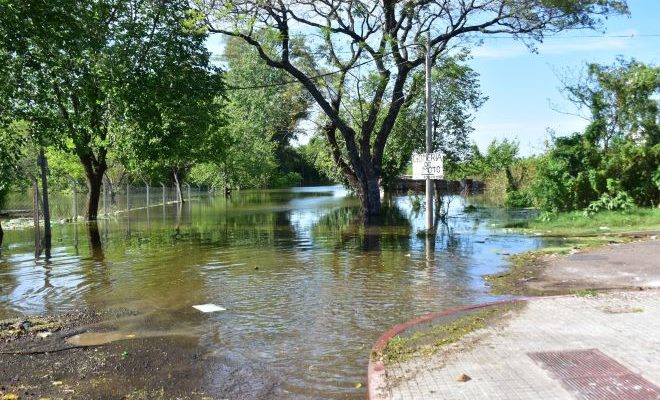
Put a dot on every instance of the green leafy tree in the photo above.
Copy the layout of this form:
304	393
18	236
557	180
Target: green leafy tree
616	161
621	101
379	44
87	74
12	142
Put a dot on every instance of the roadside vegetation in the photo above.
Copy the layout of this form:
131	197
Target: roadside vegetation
605	179
571	224
428	340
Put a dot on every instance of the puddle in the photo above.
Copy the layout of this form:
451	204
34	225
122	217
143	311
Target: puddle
98	338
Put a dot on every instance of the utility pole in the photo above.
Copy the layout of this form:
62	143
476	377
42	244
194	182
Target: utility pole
429	142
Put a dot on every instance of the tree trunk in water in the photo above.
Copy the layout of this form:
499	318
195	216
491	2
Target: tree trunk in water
177	184
95	168
94	184
43	164
369	194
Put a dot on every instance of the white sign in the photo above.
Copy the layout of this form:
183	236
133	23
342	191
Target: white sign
427	165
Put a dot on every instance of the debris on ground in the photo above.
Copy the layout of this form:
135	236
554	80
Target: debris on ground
11	329
207	308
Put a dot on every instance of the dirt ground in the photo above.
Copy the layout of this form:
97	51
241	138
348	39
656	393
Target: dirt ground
618	266
171	367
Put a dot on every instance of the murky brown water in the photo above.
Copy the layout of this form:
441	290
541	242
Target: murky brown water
307	287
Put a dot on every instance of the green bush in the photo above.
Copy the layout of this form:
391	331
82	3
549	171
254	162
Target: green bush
518	199
290	179
619	202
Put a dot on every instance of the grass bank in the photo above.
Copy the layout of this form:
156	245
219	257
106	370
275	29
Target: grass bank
575	224
429	338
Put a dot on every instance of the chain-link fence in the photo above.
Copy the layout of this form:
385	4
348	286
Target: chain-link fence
65	205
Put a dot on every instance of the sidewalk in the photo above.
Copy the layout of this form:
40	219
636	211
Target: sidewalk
623	326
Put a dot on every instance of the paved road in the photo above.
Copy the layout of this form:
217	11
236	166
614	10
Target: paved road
623	326
621	266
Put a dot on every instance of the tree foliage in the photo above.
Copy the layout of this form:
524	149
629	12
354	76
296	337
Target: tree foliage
262	114
88	75
615	163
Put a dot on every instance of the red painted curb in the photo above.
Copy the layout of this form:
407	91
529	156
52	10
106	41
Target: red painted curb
376	369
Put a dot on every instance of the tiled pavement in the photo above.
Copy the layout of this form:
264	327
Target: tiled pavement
624	326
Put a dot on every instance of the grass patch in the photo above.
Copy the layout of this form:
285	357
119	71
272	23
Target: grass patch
428	341
586	293
604	222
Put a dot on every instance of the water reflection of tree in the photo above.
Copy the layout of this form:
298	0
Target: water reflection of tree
346	228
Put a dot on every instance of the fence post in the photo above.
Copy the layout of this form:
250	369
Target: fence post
35	208
75	201
105	206
147	195
161	184
128	197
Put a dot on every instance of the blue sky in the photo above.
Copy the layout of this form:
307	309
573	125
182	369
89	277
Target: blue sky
522	85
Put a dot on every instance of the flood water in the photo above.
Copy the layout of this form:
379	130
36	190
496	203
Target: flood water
306	285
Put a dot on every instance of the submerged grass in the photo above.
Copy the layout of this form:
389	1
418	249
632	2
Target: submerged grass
428	341
604	222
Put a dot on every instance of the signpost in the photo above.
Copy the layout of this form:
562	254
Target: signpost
427	166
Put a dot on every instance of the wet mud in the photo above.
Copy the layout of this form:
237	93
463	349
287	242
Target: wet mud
34	366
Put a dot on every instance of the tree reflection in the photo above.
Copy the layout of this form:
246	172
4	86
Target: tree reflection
95	244
348	228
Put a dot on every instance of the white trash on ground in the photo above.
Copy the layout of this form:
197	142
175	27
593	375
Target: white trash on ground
207	308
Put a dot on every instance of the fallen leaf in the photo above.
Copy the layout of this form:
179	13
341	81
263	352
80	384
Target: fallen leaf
463	378
57	383
358	385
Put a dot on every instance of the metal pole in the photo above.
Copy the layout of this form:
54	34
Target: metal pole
35	215
75	202
429	144
105	207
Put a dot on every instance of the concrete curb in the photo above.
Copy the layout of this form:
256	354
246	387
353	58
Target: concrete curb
376	368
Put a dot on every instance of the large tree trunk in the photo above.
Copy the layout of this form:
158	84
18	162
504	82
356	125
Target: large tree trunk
94	173
94	184
369	194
